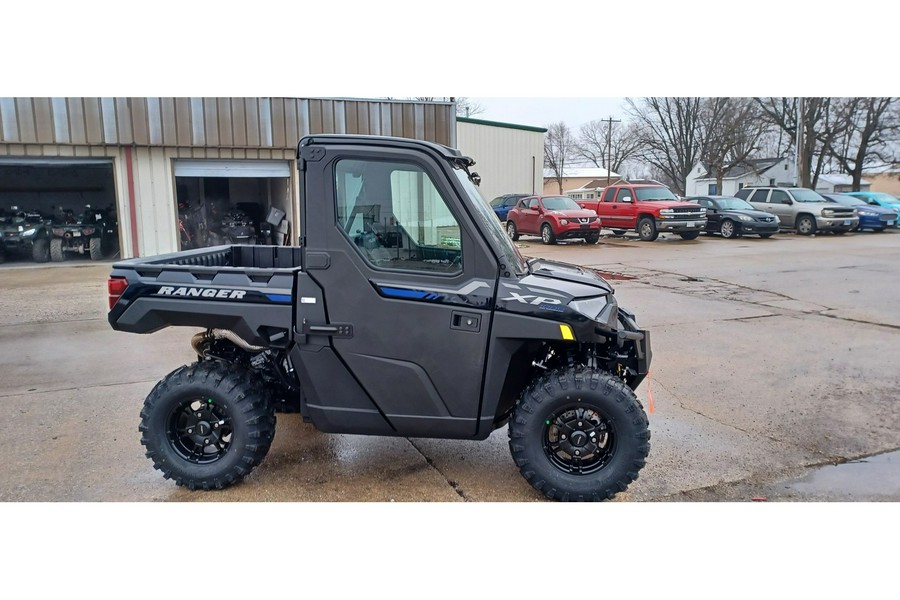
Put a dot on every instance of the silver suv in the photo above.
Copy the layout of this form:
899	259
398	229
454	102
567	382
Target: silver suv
801	209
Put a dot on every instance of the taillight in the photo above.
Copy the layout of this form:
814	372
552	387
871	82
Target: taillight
116	287
88	231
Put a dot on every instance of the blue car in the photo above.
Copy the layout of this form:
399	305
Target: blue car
878	198
502	204
871	216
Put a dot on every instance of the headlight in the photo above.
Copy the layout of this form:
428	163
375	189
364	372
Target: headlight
667	211
29	233
563	222
21	229
745	218
591	307
866	213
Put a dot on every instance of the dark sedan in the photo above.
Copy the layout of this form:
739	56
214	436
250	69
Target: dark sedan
733	217
874	217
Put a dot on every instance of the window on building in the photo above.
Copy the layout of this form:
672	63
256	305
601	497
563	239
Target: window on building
772	181
740	186
713	189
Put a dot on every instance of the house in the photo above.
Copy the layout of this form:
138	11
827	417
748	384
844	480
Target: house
835	183
760	171
577	177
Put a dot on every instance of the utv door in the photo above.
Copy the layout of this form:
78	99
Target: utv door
407	281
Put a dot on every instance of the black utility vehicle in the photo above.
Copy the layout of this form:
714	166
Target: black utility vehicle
94	232
405	311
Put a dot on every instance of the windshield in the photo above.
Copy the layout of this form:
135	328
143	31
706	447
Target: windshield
491	224
848	200
559	203
734	204
804	195
649	194
886	197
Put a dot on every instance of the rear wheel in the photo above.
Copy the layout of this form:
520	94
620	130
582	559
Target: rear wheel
728	229
647	230
806	225
207	425
879	229
57	254
579	435
511	231
690	235
40	250
765	235
547	235
96	248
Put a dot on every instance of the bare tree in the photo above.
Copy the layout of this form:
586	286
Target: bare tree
869	134
464	106
732	129
559	147
602	142
671	135
822	120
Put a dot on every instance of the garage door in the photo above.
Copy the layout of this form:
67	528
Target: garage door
232	168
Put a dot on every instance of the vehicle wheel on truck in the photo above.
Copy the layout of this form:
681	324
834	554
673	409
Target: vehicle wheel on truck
207	425
647	230
511	231
806	225
728	229
579	434
690	235
57	254
96	248
40	250
618	232
547	235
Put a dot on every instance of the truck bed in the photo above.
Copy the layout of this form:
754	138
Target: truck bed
247	289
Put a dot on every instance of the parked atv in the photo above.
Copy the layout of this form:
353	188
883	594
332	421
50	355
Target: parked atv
94	232
236	227
24	233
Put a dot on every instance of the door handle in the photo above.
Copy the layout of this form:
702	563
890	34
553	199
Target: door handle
465	321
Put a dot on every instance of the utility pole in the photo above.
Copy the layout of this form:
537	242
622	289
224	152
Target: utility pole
799	153
610	121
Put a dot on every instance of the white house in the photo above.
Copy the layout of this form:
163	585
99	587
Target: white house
835	183
760	171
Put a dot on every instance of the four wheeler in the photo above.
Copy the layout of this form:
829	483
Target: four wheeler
433	326
24	233
94	232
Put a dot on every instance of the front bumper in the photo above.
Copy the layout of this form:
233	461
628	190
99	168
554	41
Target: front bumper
577	230
681	225
838	224
877	222
758	227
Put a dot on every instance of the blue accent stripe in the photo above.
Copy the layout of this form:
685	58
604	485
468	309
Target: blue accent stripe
282	298
401	293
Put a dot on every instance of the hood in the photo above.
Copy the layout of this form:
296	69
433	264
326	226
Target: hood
670	204
571	280
580	213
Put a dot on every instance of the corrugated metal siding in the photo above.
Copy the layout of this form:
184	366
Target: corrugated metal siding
214	122
510	161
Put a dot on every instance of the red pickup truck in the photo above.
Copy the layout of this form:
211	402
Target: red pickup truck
648	209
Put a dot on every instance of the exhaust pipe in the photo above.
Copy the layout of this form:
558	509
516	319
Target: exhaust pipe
218	334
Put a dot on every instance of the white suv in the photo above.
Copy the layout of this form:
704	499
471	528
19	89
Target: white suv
801	209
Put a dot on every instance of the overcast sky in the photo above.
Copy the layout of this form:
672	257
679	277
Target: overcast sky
539	112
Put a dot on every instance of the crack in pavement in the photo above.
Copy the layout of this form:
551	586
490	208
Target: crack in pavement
454	485
80	387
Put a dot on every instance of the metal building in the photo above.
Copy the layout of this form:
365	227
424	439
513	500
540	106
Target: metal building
143	158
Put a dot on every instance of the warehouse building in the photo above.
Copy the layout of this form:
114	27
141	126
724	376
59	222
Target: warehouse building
174	173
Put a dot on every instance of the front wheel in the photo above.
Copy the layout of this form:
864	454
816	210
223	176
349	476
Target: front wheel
56	250
40	250
592	238
806	225
207	425
547	235
647	230
765	236
728	229
690	235
511	231
579	434
96	248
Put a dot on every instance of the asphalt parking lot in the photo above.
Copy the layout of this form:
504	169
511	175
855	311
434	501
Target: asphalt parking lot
774	361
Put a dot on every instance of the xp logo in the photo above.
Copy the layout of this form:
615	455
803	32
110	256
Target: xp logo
529	299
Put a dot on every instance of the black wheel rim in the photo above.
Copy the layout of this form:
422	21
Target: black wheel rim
200	430
579	440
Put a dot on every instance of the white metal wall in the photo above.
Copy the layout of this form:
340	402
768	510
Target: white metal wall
510	161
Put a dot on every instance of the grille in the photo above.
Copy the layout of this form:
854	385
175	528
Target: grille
585	220
767	219
692	211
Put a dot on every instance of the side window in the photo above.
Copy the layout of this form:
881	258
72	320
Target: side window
609	194
705	203
512	201
759	196
780	197
533	203
623	193
743	193
396	217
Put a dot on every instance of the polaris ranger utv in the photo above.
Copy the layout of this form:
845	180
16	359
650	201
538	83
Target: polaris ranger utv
404	311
